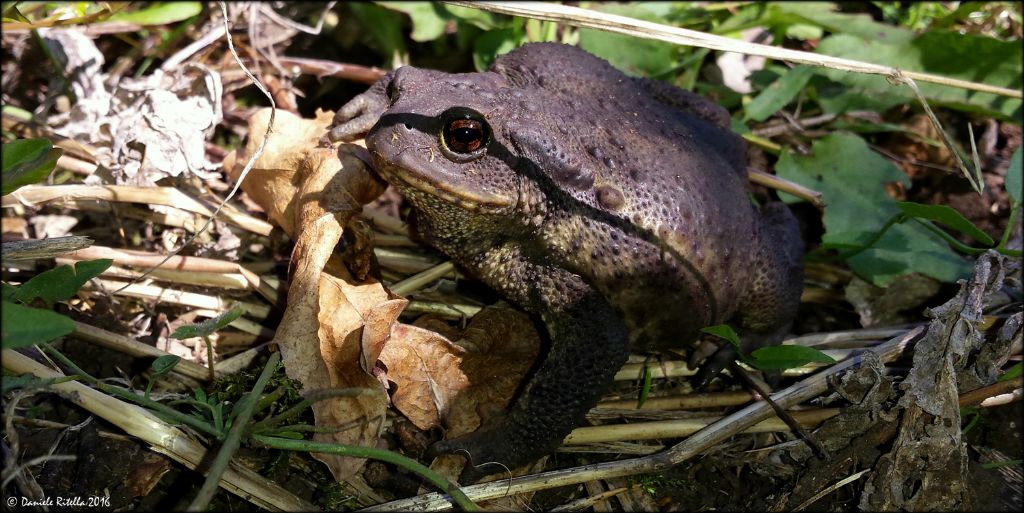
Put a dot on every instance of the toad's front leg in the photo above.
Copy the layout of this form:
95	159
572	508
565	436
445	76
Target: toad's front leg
589	343
358	116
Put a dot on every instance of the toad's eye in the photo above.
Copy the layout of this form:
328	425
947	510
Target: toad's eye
466	133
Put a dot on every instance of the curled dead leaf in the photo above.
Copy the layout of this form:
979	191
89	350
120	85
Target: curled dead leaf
460	384
312	193
427	371
292	159
380	320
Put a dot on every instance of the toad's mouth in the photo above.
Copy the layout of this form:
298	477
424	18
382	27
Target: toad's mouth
443	186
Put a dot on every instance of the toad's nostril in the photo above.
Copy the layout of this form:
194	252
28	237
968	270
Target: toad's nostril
391	92
408	126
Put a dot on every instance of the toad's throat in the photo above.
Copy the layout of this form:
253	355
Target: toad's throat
457	194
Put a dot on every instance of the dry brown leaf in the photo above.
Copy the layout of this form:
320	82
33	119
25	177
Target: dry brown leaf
438	325
359	419
460	385
426	369
274	180
379	322
312	193
501	345
142	129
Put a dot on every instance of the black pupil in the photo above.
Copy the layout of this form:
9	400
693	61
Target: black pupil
466	135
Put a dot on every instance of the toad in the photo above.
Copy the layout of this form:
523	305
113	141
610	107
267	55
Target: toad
614	208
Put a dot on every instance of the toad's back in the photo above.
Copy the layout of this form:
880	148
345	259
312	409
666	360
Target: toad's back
652	186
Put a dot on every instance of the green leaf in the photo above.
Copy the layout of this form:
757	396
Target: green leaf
22	150
852	179
61	283
950	54
906	249
27	161
209	326
853	125
1013	177
480	19
160	14
837	98
1000	464
804	32
292	435
779	94
631	55
428	20
972	413
8	291
24	326
786	357
27	380
491	44
387	33
824	14
724	331
645	390
1012	372
164	364
948	216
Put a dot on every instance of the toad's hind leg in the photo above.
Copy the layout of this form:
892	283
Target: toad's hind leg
589	343
770	303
